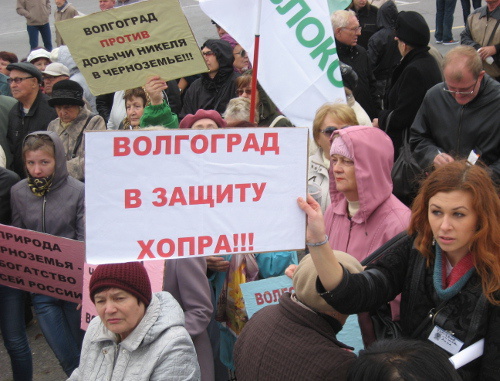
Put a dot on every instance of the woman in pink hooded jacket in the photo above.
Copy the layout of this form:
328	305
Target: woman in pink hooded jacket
364	214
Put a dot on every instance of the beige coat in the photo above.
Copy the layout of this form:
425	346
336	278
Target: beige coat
68	12
37	12
69	137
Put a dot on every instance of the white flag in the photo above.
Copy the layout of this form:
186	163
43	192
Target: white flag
298	63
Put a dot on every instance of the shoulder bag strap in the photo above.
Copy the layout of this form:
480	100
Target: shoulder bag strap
80	137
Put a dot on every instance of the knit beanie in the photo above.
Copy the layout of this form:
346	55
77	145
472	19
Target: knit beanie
191	119
131	277
412	28
304	283
227	37
339	147
67	92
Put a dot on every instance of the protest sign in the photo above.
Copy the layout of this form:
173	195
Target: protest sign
120	48
184	193
41	263
298	65
265	292
155	271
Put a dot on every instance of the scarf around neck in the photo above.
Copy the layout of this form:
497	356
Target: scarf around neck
40	185
448	287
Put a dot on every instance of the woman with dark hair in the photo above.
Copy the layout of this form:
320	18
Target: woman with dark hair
6	58
446	268
267	113
402	360
213	90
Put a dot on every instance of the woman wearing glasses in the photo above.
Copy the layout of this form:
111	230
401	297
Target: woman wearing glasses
241	62
328	118
267	114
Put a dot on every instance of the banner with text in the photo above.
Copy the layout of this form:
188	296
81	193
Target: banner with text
265	292
118	49
155	271
184	193
41	263
298	63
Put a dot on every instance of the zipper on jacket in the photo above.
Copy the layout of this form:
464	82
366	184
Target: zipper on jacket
43	214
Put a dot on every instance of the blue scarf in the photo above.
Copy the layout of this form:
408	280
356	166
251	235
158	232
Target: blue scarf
450	292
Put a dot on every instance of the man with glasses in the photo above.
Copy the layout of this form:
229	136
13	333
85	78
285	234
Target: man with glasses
346	30
52	74
31	113
213	90
459	117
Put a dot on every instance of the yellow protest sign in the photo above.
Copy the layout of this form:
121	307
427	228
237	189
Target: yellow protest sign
120	48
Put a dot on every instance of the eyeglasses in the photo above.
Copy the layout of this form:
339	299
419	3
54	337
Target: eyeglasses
462	92
329	131
342	161
17	80
208	54
242	53
240	92
356	29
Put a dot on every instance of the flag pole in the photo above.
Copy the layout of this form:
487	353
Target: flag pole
255	64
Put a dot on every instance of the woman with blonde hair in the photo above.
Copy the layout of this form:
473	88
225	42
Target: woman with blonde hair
446	268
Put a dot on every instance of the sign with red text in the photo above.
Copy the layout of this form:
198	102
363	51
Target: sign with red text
118	49
155	271
265	292
186	193
41	263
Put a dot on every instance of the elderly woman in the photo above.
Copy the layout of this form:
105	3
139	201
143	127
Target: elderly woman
446	268
267	113
146	107
73	119
328	118
137	335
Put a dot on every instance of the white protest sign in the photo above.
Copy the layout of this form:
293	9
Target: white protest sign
298	64
183	193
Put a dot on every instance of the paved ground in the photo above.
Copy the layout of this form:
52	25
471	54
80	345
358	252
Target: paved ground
45	365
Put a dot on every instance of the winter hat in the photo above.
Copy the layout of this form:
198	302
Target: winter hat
56	69
304	283
28	68
412	28
39	53
227	37
191	119
339	148
67	92
131	277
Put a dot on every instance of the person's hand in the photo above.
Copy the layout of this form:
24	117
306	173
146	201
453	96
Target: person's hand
375	122
442	159
290	270
218	264
315	225
487	51
154	87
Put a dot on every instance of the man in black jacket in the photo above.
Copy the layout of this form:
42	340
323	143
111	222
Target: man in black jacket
459	117
346	30
31	113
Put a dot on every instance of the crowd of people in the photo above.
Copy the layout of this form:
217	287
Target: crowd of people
426	264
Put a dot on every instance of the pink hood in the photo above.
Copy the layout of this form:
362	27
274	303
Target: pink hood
373	155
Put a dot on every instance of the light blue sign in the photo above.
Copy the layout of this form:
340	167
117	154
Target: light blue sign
266	292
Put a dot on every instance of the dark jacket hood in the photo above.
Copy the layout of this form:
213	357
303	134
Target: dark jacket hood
387	15
61	171
223	51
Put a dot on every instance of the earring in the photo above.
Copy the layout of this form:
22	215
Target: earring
433	241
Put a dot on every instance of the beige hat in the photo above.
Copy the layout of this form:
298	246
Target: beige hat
56	69
304	283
